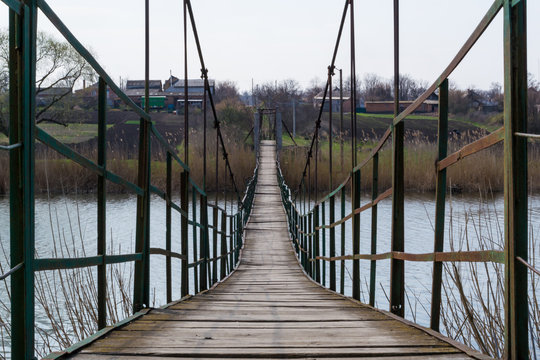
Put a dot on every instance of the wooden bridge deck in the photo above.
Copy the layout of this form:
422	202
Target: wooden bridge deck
268	308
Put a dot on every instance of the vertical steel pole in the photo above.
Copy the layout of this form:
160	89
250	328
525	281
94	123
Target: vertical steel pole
440	199
323	221
332	243
330	184
330	123
223	247
215	222
101	204
356	176
205	160
397	267
168	233
515	179
203	277
317	263
141	288
186	89
184	203
195	251
231	242
342	264
341	116
353	86
356	235
373	263
311	245
215	214
22	73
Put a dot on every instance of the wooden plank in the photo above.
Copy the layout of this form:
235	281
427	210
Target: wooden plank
268	309
246	351
131	357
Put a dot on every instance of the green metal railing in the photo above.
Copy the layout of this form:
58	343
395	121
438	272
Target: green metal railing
308	227
22	137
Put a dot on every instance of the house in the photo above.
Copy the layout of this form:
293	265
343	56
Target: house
480	102
387	107
135	90
336	105
46	96
175	93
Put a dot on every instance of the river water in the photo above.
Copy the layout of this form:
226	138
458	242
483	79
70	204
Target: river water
68	224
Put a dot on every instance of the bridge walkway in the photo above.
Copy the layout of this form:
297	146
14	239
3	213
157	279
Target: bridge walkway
268	308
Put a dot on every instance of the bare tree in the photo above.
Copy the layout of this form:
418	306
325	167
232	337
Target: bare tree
226	90
58	66
376	88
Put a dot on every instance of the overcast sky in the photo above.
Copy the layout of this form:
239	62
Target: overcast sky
291	39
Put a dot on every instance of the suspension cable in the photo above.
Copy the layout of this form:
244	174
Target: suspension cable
204	71
319	118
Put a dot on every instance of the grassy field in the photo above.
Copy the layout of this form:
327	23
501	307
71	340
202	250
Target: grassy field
72	133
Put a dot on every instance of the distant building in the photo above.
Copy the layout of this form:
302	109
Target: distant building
46	96
90	94
336	102
387	107
480	102
140	85
175	93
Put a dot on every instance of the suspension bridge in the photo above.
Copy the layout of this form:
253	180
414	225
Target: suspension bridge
253	287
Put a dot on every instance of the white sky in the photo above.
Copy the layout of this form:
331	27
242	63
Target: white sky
282	39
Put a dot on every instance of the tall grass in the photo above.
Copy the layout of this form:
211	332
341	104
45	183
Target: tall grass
67	176
483	170
65	299
472	310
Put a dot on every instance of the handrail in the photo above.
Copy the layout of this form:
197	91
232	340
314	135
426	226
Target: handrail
308	225
230	227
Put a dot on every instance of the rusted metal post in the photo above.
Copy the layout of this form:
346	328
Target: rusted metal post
168	231
101	204
356	235
317	263
311	245
341	117
342	263
323	206
353	86
440	199
184	203
332	243
205	129
203	277
231	242
186	95
330	128
195	251
373	263
223	260
215	222
22	73
515	180
397	267
141	288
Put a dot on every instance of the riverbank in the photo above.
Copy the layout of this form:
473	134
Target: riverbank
483	170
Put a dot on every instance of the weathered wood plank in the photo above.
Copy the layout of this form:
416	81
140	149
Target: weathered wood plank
268	309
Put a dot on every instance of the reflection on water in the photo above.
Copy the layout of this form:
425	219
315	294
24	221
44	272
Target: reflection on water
69	222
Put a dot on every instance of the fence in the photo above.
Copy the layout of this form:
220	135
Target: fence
308	228
206	268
